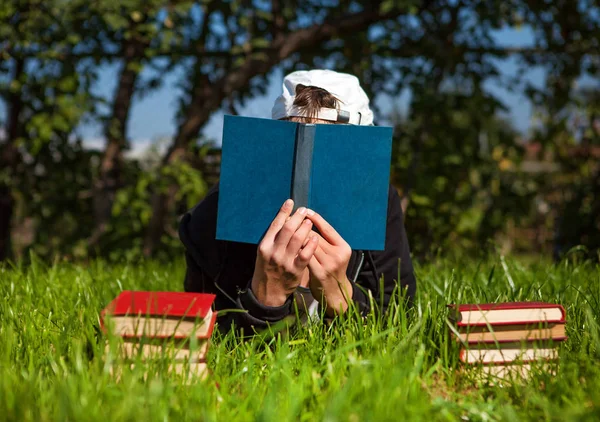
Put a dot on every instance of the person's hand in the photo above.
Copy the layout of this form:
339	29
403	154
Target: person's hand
329	283
283	256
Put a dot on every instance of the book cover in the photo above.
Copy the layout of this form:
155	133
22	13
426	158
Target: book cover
172	304
160	314
506	313
340	171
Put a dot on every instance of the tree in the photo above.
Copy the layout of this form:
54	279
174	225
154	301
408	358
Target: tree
231	64
442	52
133	31
45	96
572	133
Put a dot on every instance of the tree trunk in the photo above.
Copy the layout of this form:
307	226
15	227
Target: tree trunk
162	205
8	161
207	96
110	176
6	209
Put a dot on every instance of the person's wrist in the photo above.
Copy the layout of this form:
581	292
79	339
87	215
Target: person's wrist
267	293
338	297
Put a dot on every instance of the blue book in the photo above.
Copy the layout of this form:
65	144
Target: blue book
340	171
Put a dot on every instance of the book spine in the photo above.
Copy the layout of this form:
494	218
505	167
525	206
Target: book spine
303	157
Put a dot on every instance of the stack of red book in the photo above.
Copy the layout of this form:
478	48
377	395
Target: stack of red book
164	327
507	339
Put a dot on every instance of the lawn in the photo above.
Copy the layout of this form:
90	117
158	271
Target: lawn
53	367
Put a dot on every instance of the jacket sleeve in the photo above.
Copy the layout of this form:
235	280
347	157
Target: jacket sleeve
384	272
207	271
241	311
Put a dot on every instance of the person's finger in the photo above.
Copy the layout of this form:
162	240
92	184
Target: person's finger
315	267
306	253
307	239
324	244
289	228
326	230
279	221
299	238
320	255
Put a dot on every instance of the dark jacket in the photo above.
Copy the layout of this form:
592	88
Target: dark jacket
225	268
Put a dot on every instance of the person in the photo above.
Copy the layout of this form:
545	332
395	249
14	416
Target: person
301	258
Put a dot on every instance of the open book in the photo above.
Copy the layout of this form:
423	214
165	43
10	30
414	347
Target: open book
340	171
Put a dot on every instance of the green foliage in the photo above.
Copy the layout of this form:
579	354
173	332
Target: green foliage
444	54
572	133
132	209
57	219
53	363
456	161
53	199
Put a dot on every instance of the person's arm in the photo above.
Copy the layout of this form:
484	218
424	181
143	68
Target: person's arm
329	282
250	315
393	263
211	269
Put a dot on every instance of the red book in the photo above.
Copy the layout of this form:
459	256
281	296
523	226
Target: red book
478	334
160	314
506	313
509	352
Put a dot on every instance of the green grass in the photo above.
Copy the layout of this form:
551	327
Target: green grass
52	366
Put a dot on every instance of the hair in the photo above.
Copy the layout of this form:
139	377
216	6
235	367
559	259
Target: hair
309	100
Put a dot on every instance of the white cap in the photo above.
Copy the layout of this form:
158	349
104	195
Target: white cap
354	103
